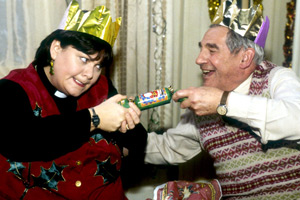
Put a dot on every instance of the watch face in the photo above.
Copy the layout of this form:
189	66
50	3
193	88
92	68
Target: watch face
222	110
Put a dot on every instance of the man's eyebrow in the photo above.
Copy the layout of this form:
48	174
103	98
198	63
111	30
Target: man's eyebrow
209	45
200	45
212	45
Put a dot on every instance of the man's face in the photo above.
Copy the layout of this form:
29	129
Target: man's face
220	68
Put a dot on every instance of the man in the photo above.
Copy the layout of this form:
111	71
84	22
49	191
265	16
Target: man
246	114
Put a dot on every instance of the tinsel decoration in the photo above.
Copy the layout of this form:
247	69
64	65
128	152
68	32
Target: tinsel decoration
213	6
159	28
289	33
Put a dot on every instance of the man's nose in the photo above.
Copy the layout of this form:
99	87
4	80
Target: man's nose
202	58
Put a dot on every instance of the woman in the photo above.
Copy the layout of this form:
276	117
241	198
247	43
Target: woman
61	123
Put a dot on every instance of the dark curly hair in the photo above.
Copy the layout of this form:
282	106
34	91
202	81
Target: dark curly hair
83	42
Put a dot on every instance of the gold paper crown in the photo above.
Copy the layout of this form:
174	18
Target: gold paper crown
97	22
246	22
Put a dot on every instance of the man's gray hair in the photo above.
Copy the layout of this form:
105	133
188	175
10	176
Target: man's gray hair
236	42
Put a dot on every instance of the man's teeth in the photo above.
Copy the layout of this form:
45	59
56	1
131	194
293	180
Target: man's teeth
205	71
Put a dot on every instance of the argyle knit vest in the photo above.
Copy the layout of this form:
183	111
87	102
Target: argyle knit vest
246	168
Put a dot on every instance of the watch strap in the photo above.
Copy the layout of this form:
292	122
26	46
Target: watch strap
224	98
95	118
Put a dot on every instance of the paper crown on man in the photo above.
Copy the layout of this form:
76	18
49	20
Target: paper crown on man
97	22
249	23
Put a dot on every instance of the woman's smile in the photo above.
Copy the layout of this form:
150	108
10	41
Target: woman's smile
78	82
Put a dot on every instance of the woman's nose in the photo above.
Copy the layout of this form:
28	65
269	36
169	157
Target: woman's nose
89	71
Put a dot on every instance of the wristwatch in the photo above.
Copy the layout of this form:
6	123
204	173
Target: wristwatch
222	108
95	119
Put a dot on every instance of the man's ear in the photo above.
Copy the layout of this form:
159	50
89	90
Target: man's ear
55	48
247	58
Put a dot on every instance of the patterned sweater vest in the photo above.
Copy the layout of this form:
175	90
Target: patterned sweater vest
245	167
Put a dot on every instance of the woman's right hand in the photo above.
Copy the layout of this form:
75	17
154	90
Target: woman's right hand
111	113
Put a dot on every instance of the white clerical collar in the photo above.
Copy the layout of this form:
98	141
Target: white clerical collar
60	94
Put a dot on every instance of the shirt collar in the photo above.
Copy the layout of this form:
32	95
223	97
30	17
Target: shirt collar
59	94
244	87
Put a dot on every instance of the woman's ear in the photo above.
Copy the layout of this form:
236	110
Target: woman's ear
247	58
55	48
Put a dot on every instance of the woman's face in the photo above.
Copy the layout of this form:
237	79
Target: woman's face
74	71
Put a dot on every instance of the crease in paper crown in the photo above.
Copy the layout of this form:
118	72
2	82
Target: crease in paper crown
97	22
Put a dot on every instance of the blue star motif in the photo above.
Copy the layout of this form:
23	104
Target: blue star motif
37	110
49	178
97	137
16	168
107	170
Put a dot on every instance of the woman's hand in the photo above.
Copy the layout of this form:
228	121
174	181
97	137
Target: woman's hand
111	113
113	116
132	117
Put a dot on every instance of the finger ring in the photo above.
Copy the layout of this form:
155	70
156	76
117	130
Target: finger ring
127	127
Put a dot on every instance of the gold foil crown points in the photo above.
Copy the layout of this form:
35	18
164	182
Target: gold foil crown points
97	22
246	22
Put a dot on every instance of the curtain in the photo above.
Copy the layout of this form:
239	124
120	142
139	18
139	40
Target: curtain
156	47
23	25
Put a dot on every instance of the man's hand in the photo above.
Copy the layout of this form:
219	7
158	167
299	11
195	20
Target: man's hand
201	100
